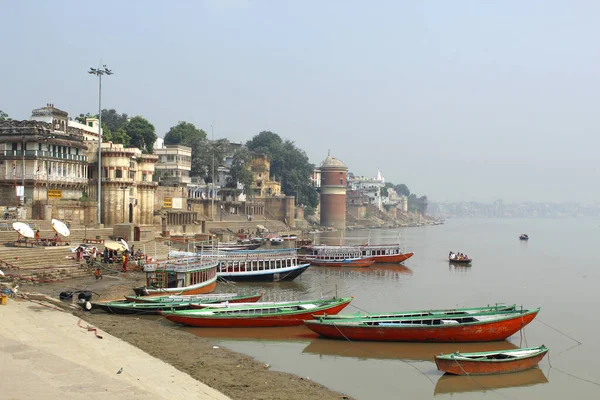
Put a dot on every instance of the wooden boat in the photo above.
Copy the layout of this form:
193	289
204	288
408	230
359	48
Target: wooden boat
276	240
255	265
497	308
257	315
490	362
289	237
198	298
339	262
190	275
449	383
483	327
460	260
227	246
381	253
127	307
524	237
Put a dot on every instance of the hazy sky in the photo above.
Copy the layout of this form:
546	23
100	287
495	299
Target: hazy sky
460	100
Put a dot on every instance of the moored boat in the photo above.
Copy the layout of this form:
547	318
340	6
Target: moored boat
336	262
127	307
225	246
381	253
190	275
481	327
197	298
491	362
257	315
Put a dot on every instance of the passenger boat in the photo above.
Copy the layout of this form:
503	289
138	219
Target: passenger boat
127	307
258	315
491	362
381	253
460	260
197	298
339	262
227	246
482	327
497	308
255	265
189	275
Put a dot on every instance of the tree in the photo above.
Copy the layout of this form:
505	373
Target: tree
4	116
289	165
82	117
113	119
402	189
184	134
207	154
240	170
141	133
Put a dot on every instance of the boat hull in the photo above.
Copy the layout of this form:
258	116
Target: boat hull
460	261
277	275
208	287
136	308
488	331
475	367
249	299
393	258
350	264
255	321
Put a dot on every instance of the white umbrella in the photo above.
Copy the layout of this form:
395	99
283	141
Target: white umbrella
113	245
124	243
61	228
23	229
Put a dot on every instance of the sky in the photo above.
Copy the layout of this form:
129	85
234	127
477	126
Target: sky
459	100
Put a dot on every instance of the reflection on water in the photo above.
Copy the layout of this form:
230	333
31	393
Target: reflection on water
287	333
398	351
376	271
455	384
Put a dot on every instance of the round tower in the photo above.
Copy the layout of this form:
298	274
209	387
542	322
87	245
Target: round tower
333	193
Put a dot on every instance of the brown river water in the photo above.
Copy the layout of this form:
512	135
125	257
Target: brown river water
557	270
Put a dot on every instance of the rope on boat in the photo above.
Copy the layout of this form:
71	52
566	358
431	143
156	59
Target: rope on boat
568	374
479	383
559	331
367	352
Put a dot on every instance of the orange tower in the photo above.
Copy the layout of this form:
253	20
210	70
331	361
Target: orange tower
333	193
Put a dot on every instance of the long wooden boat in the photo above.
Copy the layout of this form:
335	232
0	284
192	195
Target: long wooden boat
460	260
381	253
453	312
190	275
483	327
491	362
257	315
254	265
325	261
198	298
224	246
127	307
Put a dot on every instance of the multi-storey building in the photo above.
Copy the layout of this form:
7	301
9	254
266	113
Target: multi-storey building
174	165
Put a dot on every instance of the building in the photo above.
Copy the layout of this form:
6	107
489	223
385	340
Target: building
263	186
370	187
333	193
174	165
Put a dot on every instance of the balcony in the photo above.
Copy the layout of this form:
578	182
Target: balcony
174	180
9	154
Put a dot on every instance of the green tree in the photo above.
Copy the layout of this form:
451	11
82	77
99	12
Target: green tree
207	153
81	118
141	133
289	165
113	119
184	134
402	189
4	116
240	170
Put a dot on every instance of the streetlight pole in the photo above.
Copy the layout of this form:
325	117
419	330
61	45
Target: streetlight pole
99	72
212	208
23	145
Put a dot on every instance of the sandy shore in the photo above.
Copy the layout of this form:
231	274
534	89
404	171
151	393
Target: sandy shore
235	375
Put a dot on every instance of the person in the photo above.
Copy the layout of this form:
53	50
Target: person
55	238
98	273
37	235
105	255
6	213
125	262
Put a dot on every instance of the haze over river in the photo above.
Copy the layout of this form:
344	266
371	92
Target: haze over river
557	270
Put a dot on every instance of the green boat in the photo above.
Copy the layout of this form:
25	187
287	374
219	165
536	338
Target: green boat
451	312
197	298
126	307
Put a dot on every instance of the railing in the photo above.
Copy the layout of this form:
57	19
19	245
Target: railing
181	265
42	177
42	154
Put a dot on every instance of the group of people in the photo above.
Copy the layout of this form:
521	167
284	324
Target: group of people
457	256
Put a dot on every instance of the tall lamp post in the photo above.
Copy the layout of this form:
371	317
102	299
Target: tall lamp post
99	72
212	208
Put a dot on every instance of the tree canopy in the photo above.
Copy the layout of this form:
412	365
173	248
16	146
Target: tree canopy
184	133
4	116
113	120
240	170
289	165
141	133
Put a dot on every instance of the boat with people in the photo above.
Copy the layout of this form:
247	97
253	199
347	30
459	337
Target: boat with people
491	362
197	298
499	307
187	275
258	315
326	261
254	265
479	327
524	236
459	258
381	253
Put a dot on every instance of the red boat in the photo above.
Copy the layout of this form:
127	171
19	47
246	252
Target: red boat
242	300
258	315
381	253
484	327
491	362
337	262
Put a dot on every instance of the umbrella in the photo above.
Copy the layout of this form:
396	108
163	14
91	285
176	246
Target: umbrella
23	229
113	245
124	243
60	227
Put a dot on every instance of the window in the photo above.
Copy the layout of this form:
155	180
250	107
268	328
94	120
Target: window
144	177
341	181
118	173
90	123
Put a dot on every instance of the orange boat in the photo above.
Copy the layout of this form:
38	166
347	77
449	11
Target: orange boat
359	262
491	362
381	253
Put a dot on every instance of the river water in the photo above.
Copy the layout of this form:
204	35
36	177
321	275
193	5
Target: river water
557	270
